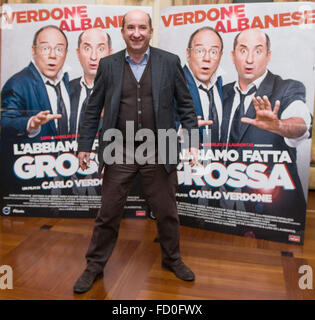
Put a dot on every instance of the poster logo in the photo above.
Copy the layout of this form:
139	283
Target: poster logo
6	210
295	238
140	213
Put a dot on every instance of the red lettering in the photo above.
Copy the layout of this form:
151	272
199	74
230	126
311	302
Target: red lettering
297	16
284	19
242	24
229	26
64	26
168	21
21	17
82	11
309	16
113	22
178	19
43	14
8	19
220	27
257	23
188	17
32	16
85	24
226	12
98	23
212	17
200	19
68	12
239	11
56	13
271	21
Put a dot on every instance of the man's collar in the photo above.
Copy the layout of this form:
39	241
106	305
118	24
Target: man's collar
145	57
60	74
213	78
84	84
256	83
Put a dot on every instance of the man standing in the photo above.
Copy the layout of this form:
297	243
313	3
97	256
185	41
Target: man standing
137	84
203	54
93	44
35	101
264	109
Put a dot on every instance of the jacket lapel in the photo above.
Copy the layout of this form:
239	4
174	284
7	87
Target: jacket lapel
265	88
118	80
41	95
156	68
228	98
193	91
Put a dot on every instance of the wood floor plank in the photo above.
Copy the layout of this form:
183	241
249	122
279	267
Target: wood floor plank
47	261
135	272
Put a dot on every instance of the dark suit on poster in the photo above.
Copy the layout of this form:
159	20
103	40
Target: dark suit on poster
159	181
286	203
23	96
196	97
75	91
195	94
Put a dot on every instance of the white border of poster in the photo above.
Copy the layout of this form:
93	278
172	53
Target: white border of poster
290	27
42	196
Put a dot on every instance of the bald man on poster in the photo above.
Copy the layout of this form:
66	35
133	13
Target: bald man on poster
93	44
264	109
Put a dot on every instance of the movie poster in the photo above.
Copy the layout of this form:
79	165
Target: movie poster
40	175
252	81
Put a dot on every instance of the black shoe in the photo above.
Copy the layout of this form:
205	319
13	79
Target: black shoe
86	280
181	271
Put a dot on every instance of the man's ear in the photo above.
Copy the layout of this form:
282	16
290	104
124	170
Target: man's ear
233	56
187	54
269	55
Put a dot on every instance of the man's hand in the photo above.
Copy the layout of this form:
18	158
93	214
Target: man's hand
267	119
194	153
41	118
84	160
202	123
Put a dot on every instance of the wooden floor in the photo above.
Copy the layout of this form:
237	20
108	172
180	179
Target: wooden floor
47	261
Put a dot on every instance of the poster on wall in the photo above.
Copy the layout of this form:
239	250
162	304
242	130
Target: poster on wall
45	73
250	71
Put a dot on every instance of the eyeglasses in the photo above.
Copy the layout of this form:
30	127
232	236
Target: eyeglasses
46	50
200	52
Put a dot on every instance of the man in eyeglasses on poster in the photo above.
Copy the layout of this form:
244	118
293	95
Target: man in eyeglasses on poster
202	72
203	55
35	101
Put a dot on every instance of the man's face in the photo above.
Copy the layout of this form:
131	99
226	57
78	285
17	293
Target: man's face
93	47
50	52
205	55
137	32
250	56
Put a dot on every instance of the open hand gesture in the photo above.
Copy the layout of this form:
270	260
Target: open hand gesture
266	118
